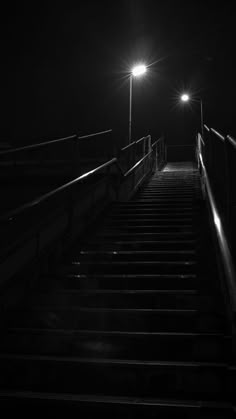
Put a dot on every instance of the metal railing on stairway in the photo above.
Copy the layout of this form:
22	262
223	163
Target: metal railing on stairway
216	156
63	213
70	152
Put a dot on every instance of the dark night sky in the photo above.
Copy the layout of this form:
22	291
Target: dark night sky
65	67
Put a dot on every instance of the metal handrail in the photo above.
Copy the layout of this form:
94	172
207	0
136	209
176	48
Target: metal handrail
128	146
157	141
83	137
117	185
206	127
46	143
142	139
137	164
134	143
38	145
220	136
28	206
232	140
46	196
221	236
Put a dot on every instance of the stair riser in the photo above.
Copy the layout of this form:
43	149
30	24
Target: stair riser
166	201
121	408
132	300
157	223
140	246
127	283
175	195
145	236
122	320
160	212
114	379
162	204
132	268
147	230
145	347
100	257
151	217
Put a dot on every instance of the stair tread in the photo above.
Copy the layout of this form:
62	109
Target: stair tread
75	308
133	276
113	361
138	262
117	399
95	332
88	330
137	252
130	292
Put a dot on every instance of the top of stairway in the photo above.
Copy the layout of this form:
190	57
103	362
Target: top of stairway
188	166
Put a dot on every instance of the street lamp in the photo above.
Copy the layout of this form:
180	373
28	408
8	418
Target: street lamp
136	72
185	98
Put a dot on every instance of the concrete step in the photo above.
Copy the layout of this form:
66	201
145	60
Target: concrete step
176	299
115	344
190	380
87	406
132	320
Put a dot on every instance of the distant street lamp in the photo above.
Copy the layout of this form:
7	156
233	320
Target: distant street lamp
185	98
136	72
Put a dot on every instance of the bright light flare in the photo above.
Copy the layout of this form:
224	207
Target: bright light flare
139	70
217	222
185	97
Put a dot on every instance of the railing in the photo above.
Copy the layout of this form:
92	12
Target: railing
215	160
131	153
219	153
68	200
67	186
67	152
17	150
48	143
11	215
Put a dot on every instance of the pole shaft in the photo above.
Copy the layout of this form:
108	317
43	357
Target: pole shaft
201	117
130	107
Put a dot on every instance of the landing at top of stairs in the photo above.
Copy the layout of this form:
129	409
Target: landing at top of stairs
181	166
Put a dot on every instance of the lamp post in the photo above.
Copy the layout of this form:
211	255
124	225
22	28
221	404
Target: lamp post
185	98
136	72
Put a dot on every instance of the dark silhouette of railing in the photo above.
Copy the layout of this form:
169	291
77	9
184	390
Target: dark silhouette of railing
72	153
129	154
152	151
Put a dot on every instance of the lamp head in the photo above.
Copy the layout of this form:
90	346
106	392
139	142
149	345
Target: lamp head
139	70
185	97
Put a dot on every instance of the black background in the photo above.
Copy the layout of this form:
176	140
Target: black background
65	68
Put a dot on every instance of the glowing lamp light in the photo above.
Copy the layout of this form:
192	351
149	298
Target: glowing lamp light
185	98
139	70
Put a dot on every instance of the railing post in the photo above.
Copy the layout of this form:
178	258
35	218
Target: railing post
149	144
149	150
144	144
134	152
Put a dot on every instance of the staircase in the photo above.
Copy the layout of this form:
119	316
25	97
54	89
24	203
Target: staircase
132	322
